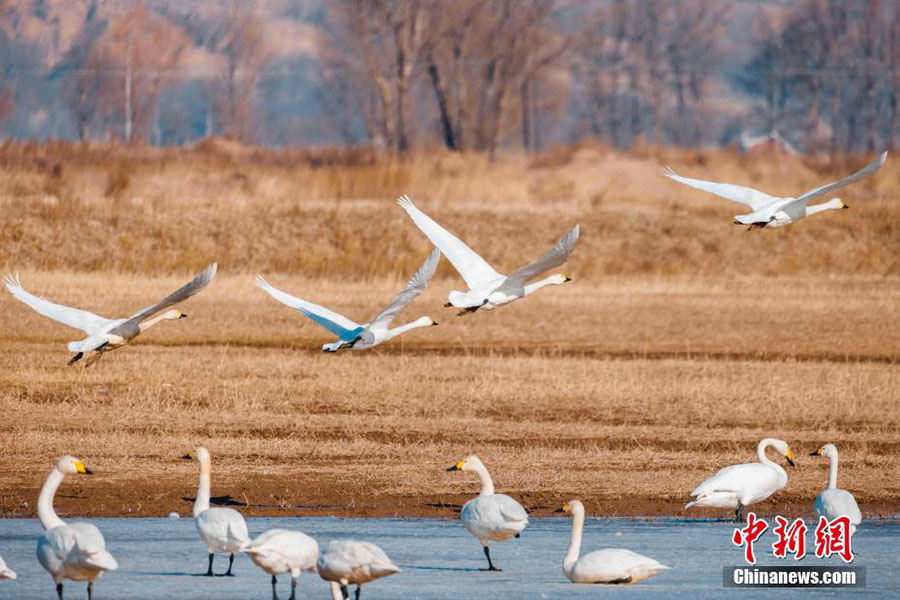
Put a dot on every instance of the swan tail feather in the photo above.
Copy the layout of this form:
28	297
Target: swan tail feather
102	560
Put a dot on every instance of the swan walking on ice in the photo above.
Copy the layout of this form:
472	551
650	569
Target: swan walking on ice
739	486
108	334
360	337
347	562
489	289
223	529
610	565
74	551
772	211
834	502
278	551
488	516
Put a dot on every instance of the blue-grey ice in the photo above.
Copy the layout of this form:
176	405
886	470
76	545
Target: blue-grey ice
161	558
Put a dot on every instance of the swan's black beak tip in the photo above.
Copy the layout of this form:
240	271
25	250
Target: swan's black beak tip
88	471
567	279
448	305
791	462
453	468
434	323
559	510
187	457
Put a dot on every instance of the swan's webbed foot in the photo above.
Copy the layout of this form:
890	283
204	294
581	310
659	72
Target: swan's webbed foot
467	311
209	572
491	567
228	573
75	358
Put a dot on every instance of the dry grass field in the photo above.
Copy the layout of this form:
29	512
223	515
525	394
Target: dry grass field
680	343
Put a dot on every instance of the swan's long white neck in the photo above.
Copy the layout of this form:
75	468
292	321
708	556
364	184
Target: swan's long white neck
761	454
533	287
202	501
487	484
145	325
404	328
832	471
46	514
575	542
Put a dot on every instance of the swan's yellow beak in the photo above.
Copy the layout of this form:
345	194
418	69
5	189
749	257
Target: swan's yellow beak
565	508
189	456
790	457
458	466
80	468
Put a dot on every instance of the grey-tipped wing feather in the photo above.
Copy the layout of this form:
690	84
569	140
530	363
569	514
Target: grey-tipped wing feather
414	287
558	255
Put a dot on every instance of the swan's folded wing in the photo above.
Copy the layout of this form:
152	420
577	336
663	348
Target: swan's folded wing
414	287
736	478
337	324
755	199
474	269
196	285
559	254
828	188
510	509
86	321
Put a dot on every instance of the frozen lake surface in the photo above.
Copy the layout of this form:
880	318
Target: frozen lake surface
159	558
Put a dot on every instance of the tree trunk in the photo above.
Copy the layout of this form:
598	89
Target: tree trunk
441	95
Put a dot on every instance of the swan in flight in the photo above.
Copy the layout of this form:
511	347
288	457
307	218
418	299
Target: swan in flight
772	211
6	572
834	502
223	529
489	289
610	565
278	551
360	337
738	486
108	334
488	516
76	551
347	562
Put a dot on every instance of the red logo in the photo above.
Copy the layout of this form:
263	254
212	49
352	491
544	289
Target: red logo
834	538
748	535
790	538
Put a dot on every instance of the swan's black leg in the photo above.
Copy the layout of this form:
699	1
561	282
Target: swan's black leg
76	358
90	590
738	516
228	573
293	588
358	591
491	567
344	593
209	572
59	591
274	583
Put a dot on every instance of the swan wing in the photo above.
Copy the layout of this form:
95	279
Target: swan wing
737	478
413	288
337	324
223	526
474	269
86	321
295	547
833	503
830	187
755	199
616	564
559	254
510	509
196	285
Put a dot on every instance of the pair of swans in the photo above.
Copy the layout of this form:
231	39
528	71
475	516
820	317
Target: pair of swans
488	289
105	334
75	551
489	516
772	211
739	486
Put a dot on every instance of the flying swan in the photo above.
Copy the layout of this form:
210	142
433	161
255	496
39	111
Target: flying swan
771	211
278	551
76	551
834	502
360	337
489	289
347	562
223	529
610	565
739	486
108	334
488	516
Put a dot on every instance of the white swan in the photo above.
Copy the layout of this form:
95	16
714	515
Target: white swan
360	337
108	334
6	572
489	289
772	211
347	562
834	502
610	565
74	551
223	529
278	551
738	486
490	517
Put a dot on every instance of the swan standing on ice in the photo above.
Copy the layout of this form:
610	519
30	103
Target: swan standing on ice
610	565
278	551
834	502
360	337
490	517
223	529
347	562
108	334
6	572
76	551
772	211
738	486
489	289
